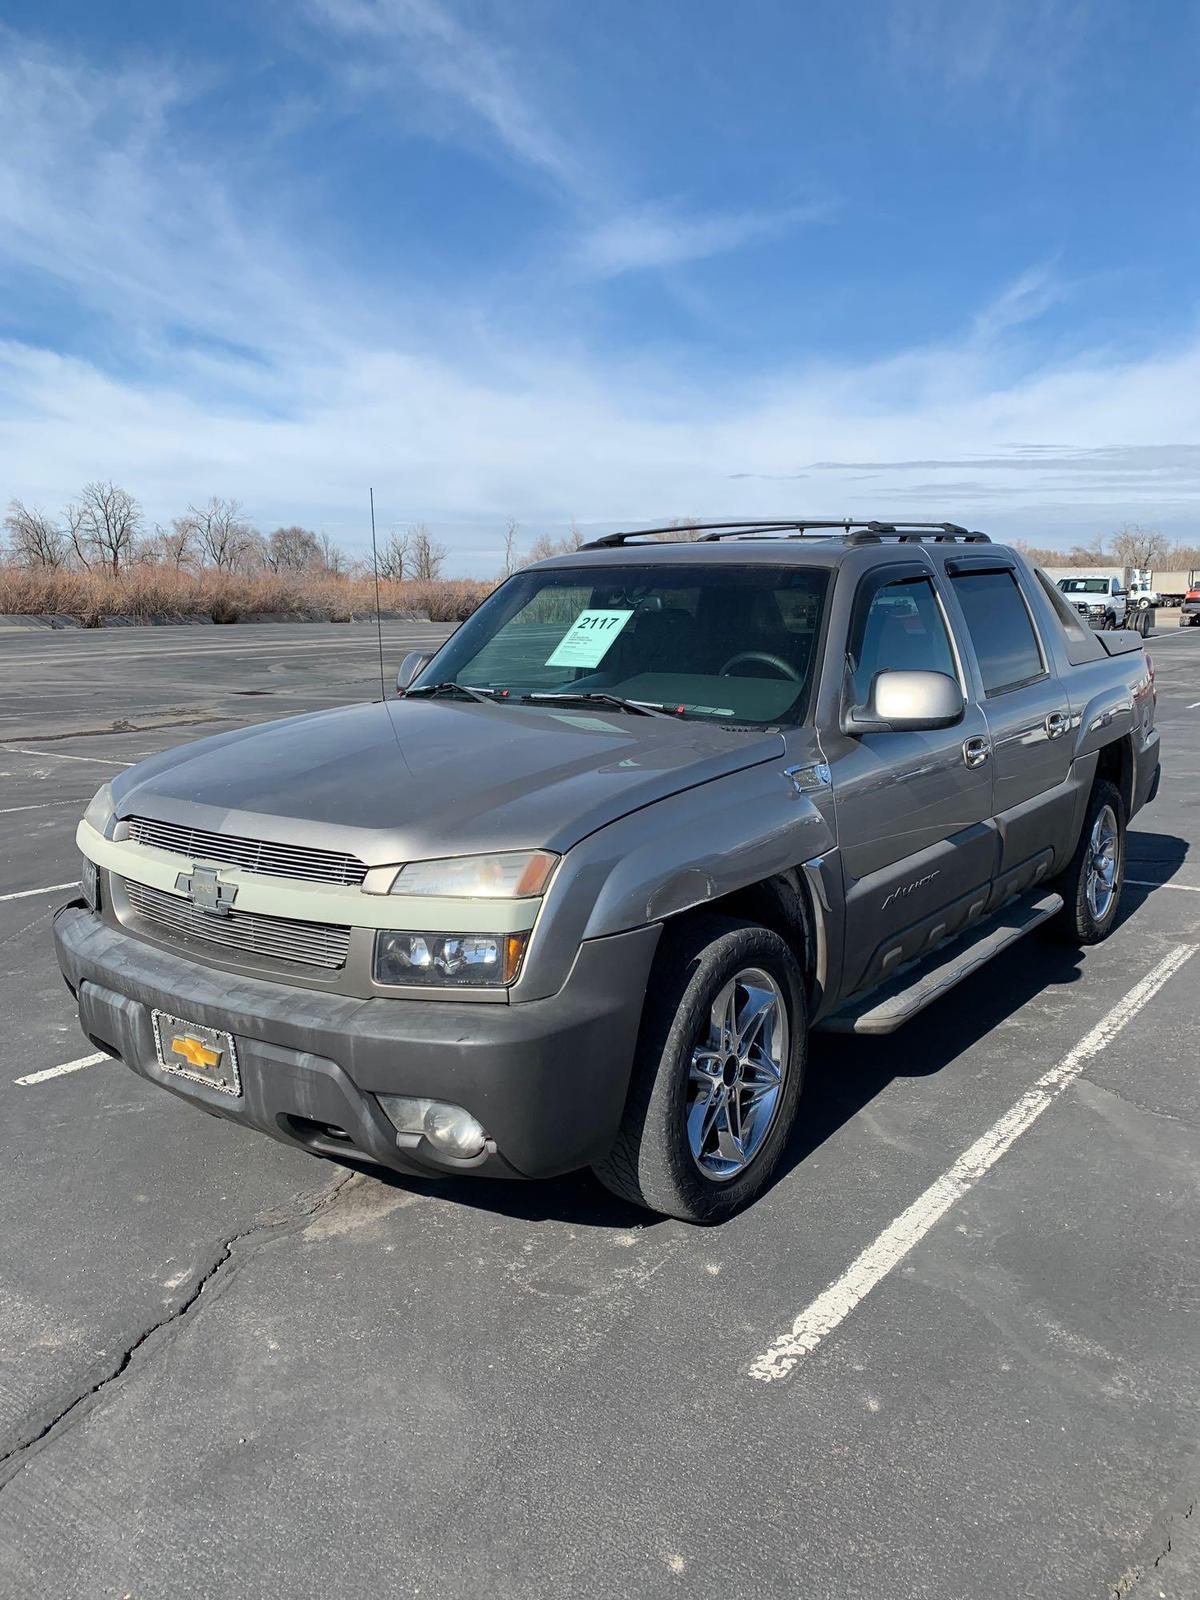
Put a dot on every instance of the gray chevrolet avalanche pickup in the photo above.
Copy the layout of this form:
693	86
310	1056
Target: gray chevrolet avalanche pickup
578	895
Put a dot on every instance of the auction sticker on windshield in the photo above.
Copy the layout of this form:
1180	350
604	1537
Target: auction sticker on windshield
588	638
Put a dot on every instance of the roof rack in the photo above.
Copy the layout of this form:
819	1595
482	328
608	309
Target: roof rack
853	532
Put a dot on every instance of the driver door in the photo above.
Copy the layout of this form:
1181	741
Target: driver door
914	809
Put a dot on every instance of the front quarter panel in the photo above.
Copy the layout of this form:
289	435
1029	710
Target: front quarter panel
676	855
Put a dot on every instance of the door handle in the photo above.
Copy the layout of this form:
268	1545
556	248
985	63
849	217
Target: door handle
976	751
1057	723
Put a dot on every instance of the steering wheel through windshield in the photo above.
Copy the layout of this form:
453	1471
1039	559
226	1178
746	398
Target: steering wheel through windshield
784	668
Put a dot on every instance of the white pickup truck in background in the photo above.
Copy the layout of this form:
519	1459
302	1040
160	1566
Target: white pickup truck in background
1144	588
1100	597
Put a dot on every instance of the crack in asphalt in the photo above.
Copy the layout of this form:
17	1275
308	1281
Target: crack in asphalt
13	1460
1130	1580
193	715
1131	1104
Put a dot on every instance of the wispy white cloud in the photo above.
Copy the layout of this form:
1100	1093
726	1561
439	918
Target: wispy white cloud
1029	296
1021	51
503	109
659	236
427	40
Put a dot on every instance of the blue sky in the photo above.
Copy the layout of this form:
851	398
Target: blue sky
615	262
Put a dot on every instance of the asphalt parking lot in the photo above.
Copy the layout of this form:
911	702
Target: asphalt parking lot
227	1367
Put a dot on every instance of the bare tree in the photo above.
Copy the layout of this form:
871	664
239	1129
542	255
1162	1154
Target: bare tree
174	546
332	558
394	556
292	550
511	559
1135	546
426	556
546	545
680	530
33	539
222	533
103	523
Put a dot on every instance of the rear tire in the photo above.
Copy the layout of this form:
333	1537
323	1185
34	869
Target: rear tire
717	1074
1091	884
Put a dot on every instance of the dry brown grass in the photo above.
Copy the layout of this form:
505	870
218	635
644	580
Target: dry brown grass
147	592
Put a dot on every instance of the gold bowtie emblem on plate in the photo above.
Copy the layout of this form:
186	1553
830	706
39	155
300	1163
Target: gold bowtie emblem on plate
195	1053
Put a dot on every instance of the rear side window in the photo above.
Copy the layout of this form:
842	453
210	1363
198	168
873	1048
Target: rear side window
903	630
1001	630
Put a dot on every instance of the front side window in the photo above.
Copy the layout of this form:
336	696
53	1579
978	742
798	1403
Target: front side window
726	643
1001	629
902	630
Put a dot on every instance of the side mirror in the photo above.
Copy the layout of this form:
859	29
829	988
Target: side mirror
414	662
907	702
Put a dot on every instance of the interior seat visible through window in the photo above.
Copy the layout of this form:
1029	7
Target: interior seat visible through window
903	631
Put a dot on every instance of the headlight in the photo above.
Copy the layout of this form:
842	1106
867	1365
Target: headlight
101	810
516	875
448	960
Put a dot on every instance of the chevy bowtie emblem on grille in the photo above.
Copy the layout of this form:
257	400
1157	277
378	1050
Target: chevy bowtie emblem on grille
205	890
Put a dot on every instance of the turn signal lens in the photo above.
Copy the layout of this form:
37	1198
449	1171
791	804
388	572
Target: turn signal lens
514	875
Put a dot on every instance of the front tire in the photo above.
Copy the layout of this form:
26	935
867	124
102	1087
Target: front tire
1091	884
717	1075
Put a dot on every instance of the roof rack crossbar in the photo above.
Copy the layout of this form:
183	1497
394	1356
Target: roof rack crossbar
855	532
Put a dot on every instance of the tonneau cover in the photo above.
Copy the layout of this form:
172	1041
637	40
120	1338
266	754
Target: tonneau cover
1121	642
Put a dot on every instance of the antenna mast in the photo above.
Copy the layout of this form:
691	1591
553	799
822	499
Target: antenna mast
378	617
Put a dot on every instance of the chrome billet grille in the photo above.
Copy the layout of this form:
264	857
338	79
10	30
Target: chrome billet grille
254	855
312	944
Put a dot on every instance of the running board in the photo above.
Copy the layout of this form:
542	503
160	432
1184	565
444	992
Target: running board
895	1002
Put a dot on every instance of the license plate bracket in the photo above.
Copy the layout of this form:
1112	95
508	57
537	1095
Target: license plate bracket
191	1050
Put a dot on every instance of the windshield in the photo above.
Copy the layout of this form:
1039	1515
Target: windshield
1083	585
723	643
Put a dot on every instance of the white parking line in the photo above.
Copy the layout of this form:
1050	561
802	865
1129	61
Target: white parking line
7	811
836	1303
50	888
1147	883
67	1066
14	750
1195	705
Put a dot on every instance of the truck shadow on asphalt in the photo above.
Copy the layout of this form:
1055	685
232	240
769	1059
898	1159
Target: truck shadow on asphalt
845	1072
1166	853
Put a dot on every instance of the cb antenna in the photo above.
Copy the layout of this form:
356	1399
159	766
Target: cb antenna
378	617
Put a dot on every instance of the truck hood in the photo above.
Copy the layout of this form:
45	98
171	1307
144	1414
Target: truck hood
407	780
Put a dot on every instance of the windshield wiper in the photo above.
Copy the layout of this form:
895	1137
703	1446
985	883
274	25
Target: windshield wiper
486	696
642	708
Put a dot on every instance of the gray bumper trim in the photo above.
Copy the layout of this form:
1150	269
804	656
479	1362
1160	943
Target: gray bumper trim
547	1078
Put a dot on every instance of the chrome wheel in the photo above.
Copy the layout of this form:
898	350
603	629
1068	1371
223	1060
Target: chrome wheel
737	1072
1103	860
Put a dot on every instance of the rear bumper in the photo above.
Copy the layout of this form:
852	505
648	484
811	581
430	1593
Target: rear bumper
546	1078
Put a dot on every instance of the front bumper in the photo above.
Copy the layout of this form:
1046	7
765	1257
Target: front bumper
546	1078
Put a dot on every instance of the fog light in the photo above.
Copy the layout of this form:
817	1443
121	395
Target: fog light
453	1130
450	1129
